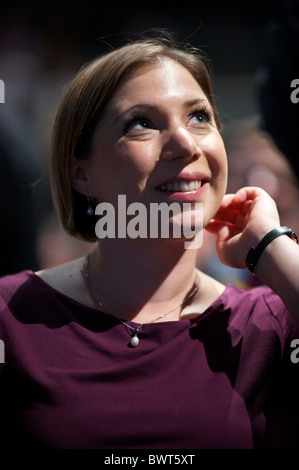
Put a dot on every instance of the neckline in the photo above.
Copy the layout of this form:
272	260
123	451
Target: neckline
83	306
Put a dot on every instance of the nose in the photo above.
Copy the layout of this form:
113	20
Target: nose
180	143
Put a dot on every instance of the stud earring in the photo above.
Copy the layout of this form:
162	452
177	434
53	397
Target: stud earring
90	209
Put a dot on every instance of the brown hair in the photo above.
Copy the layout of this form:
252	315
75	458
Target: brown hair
82	106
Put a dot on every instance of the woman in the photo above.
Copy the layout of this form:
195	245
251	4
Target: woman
133	347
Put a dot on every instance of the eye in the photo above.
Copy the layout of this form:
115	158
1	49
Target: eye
199	117
137	123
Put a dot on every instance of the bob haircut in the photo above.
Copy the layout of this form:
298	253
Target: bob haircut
83	104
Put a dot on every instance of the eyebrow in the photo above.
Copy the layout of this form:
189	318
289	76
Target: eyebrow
194	101
187	104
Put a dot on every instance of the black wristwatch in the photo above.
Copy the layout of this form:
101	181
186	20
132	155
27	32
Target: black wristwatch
255	253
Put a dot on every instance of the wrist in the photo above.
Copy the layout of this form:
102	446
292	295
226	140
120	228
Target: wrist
255	253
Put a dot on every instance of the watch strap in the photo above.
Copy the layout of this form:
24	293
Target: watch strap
255	253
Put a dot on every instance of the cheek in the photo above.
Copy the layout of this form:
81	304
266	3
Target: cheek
122	169
136	163
213	146
139	156
217	160
214	150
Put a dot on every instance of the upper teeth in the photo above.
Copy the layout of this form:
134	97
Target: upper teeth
182	186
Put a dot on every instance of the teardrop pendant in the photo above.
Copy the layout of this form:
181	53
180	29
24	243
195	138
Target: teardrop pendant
134	340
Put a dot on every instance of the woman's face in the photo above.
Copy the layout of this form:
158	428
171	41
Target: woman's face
158	142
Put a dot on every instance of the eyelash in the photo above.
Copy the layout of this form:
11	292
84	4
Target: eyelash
135	119
204	111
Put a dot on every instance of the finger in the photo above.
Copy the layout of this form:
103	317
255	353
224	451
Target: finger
215	226
226	214
234	216
248	193
223	233
236	201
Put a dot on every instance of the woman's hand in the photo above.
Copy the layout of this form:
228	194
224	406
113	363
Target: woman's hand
241	222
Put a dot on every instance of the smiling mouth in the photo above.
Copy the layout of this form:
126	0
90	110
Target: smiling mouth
182	186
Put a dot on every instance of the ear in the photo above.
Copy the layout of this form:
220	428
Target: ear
78	176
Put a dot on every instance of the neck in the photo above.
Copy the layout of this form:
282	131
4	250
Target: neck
137	283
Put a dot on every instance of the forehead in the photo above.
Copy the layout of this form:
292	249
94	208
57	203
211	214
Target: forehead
163	80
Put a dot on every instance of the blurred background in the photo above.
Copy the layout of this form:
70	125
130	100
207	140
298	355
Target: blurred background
254	49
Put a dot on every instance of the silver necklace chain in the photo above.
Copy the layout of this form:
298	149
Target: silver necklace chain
134	338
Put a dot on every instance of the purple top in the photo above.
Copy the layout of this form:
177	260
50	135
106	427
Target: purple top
222	380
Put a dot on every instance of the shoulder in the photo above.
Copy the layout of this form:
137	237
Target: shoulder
10	284
256	298
27	288
17	293
69	280
259	307
29	298
59	276
22	292
233	295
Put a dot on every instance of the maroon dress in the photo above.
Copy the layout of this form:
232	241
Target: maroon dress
226	379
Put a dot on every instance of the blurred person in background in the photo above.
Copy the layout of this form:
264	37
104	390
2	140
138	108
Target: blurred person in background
34	73
280	66
19	217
